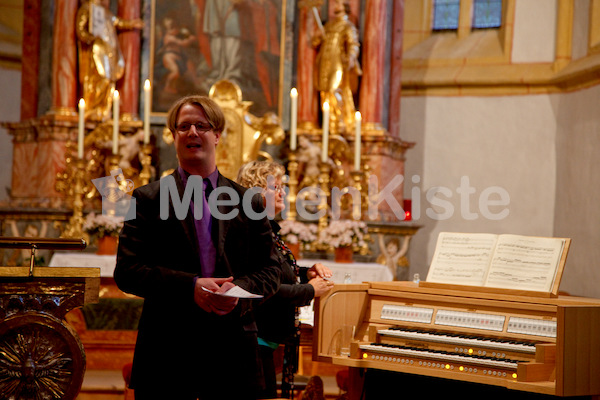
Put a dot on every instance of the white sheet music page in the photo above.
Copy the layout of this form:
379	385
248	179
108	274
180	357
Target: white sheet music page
236	291
525	262
462	258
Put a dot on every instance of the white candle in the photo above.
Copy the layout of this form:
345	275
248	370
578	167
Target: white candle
294	118
115	139
80	132
357	122
146	111
324	153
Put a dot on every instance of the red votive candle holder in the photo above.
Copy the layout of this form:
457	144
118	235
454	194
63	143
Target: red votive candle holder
407	205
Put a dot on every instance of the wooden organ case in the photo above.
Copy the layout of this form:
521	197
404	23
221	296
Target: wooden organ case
515	340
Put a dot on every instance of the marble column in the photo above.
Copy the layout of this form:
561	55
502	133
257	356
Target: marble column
64	59
308	101
31	58
129	40
396	68
373	81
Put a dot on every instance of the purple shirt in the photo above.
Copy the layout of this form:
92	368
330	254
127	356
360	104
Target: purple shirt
208	253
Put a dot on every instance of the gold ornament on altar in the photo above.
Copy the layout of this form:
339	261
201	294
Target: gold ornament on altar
74	182
101	63
337	66
244	133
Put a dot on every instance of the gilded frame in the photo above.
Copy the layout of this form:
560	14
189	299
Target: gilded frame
265	74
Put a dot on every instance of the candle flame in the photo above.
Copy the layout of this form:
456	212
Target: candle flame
147	84
116	94
326	106
358	116
293	92
81	103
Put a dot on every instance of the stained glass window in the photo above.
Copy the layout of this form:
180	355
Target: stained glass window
445	14
487	14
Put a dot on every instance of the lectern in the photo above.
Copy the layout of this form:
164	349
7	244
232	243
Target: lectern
40	354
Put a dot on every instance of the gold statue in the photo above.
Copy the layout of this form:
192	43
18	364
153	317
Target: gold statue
101	63
337	66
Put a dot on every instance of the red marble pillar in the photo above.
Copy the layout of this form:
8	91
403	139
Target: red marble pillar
373	82
129	40
308	101
396	68
64	58
31	58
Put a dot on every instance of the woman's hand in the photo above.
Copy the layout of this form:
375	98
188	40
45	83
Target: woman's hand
320	285
319	270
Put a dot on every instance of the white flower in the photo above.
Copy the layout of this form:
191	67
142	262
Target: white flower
102	225
294	232
344	232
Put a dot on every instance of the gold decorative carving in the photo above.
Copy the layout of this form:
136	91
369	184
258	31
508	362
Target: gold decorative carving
244	133
41	356
337	66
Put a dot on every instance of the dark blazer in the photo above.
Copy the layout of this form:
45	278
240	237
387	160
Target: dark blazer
179	345
276	317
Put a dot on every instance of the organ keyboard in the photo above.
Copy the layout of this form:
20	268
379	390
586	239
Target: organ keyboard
516	340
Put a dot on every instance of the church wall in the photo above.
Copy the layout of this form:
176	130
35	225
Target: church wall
534	31
10	82
538	143
496	143
577	213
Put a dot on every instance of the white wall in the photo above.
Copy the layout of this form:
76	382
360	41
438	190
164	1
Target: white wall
542	149
503	144
577	213
10	111
534	31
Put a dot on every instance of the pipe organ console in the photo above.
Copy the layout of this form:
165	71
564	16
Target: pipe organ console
515	340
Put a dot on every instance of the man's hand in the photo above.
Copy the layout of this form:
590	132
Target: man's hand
209	302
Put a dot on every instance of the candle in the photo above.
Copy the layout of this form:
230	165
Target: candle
115	140
324	153
357	121
294	119
80	132
146	111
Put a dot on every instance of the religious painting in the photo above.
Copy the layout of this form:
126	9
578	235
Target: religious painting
196	43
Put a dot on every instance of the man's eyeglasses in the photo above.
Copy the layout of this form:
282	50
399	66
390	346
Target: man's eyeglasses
185	127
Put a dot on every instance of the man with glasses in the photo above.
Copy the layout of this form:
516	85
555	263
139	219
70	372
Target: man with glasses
193	342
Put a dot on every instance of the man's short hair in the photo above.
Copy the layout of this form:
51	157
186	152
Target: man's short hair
213	112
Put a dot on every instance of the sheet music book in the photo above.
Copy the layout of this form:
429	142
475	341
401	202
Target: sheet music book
498	261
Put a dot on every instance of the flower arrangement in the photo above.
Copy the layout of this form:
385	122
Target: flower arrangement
294	232
102	225
344	232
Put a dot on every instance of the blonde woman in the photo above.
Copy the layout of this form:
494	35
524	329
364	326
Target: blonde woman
277	317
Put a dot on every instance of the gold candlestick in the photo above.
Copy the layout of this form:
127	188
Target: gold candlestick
293	185
357	183
146	160
75	185
112	163
324	181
